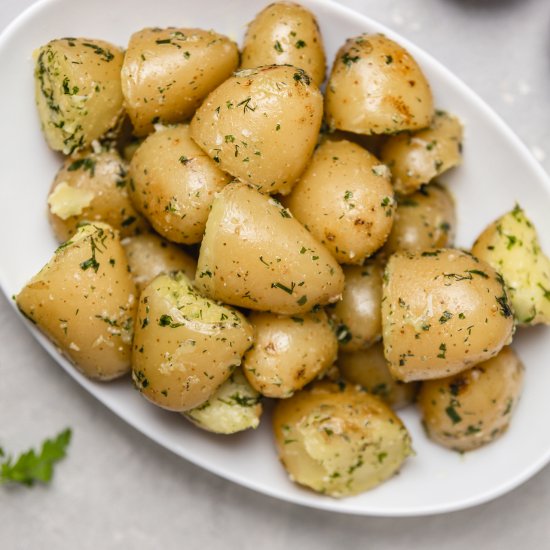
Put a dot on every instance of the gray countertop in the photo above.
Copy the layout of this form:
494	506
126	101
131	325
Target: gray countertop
117	489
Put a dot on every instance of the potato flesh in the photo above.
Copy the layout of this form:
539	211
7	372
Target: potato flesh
174	183
84	299
185	346
512	247
346	201
288	352
376	87
234	407
285	33
261	126
468	410
168	72
454	315
78	91
339	442
256	255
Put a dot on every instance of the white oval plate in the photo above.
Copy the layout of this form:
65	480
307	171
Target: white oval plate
497	171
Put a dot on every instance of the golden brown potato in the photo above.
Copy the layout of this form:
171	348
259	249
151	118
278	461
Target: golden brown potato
84	299
345	199
369	369
376	87
256	255
511	245
285	33
93	187
288	352
235	406
468	410
185	346
78	93
423	220
150	255
442	312
261	125
168	72
338	440
357	315
173	184
417	158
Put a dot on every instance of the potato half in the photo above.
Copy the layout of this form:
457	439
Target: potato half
173	183
256	255
285	33
442	312
288	352
261	125
168	72
185	346
345	199
338	440
511	245
78	91
376	87
468	410
84	299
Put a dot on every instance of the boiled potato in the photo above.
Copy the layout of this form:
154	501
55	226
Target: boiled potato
369	369
288	352
468	410
173	183
285	33
345	199
442	312
256	255
376	87
185	346
511	245
78	92
416	158
150	255
93	186
338	440
261	126
84	299
168	72
423	220
235	406
357	315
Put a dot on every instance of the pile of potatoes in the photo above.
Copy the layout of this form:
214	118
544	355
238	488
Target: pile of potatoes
230	233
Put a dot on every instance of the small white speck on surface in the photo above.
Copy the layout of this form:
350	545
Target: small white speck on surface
538	153
524	88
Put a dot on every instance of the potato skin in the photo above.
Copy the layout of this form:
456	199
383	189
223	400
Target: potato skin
150	255
376	87
78	91
511	245
339	441
168	72
369	369
454	314
285	33
84	300
93	187
173	184
417	158
256	255
346	200
261	125
185	346
423	221
470	409
356	316
288	352
234	407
